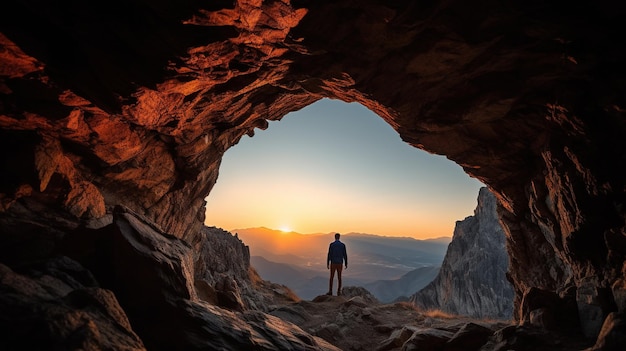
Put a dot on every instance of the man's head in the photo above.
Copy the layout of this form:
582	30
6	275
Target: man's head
337	235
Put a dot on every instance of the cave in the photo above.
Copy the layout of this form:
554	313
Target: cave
114	117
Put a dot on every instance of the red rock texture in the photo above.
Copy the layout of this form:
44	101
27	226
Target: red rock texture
134	103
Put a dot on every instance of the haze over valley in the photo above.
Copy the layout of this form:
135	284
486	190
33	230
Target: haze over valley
389	267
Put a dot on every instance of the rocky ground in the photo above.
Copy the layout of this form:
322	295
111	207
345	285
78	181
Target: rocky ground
356	321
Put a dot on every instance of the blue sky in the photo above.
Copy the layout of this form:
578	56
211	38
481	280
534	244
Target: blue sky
338	167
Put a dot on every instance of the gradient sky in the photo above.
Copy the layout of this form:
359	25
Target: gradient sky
338	167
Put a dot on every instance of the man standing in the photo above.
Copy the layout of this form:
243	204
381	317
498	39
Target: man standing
337	255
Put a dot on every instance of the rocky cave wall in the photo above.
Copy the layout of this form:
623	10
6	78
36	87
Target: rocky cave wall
133	103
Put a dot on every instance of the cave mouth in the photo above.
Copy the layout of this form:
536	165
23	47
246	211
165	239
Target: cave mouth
338	167
530	100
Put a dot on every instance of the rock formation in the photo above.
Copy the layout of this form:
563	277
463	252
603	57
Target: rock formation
356	321
472	279
133	103
153	275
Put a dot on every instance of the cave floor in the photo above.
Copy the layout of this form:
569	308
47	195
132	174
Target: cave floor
353	324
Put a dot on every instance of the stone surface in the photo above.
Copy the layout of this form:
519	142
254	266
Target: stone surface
133	103
428	339
400	326
612	335
472	280
550	311
532	338
470	336
154	276
55	305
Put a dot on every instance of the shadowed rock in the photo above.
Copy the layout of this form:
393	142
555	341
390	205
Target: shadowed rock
55	305
134	103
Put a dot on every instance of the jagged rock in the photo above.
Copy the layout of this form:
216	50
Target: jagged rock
330	332
223	274
397	338
428	339
356	301
228	295
160	288
472	279
612	337
360	328
532	338
469	337
548	310
55	306
619	291
350	292
204	326
135	105
294	314
594	304
206	292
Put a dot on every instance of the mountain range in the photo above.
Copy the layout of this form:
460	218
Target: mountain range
389	267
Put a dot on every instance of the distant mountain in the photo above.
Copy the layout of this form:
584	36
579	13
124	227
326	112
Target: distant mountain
472	280
401	251
278	272
390	290
299	261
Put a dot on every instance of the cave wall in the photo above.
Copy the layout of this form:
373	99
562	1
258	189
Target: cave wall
134	103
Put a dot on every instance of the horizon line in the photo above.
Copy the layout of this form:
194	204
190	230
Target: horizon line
232	231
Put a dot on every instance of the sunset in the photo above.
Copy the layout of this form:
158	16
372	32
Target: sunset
334	166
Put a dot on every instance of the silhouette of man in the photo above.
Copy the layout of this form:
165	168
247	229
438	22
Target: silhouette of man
337	255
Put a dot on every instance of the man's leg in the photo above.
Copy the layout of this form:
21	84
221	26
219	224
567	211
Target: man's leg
339	269
330	282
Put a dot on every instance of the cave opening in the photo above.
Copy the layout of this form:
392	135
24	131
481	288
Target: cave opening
336	166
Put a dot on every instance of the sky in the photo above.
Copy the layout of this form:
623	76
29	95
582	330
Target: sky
338	167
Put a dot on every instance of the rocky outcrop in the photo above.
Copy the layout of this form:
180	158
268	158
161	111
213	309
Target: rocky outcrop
149	298
472	279
107	103
58	305
358	322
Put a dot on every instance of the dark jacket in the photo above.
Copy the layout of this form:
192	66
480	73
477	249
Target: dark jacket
337	253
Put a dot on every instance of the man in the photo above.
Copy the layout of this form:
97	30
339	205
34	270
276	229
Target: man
337	255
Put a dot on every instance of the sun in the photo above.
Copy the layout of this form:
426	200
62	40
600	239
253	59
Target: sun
285	229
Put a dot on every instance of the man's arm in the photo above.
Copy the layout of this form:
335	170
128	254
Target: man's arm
345	255
328	257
